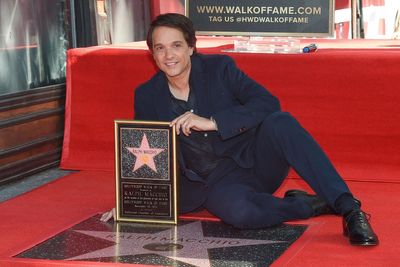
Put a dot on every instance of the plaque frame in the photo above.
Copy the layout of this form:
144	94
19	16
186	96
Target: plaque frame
146	193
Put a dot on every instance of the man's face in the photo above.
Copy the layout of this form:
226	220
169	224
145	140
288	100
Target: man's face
171	52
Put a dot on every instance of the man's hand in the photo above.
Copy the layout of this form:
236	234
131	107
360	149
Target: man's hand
108	215
188	121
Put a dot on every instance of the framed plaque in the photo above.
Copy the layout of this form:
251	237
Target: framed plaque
146	172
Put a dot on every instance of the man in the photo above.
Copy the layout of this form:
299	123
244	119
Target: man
236	145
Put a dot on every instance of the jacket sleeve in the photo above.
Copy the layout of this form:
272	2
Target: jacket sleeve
251	103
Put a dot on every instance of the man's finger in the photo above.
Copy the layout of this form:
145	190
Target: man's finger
186	128
108	215
179	124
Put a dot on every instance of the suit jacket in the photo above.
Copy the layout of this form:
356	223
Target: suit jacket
236	102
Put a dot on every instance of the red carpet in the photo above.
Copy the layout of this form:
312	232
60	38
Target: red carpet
38	215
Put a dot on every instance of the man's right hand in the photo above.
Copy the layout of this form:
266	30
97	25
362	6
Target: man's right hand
188	121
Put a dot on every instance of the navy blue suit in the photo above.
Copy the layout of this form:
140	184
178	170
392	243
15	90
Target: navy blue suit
258	142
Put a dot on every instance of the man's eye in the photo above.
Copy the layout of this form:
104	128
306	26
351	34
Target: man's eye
158	48
177	45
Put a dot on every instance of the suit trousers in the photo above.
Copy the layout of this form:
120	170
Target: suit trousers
244	197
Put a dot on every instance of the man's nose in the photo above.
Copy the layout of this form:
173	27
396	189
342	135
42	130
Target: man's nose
168	52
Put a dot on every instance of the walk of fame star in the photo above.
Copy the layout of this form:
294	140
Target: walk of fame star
144	154
186	243
189	243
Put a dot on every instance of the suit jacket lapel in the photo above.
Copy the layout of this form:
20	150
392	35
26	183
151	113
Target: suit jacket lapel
200	82
162	97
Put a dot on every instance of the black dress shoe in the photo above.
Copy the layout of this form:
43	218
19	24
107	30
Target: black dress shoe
318	205
357	228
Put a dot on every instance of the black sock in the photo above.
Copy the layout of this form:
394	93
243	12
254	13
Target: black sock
346	203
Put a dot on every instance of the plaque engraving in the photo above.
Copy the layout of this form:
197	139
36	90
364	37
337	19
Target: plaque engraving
146	172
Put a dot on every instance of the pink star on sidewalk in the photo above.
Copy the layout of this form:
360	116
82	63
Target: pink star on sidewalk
144	154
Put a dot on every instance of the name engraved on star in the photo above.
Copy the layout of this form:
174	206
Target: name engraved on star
123	236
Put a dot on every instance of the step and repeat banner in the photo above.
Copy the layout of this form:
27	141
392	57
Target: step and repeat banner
306	18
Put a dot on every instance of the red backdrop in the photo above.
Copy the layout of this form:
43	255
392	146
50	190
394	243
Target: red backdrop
347	98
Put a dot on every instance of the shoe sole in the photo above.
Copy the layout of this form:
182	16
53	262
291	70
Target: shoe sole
364	244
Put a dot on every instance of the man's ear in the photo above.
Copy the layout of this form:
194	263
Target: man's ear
191	50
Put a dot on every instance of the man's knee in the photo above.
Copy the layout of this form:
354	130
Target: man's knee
280	120
277	123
